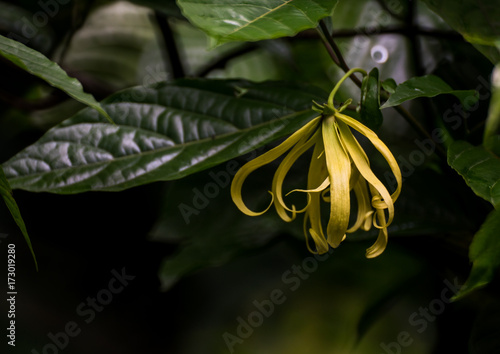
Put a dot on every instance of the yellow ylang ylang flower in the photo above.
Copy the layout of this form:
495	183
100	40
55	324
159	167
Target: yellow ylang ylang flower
338	167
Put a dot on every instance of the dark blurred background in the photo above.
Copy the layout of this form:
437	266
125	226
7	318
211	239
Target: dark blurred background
196	283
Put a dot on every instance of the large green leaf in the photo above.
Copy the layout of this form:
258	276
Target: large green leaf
163	132
481	170
6	193
230	20
476	20
479	167
39	65
428	86
484	253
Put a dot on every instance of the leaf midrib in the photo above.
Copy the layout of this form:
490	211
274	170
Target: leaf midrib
257	18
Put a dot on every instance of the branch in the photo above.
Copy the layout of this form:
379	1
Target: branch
415	51
363	31
415	124
337	54
171	52
412	36
220	63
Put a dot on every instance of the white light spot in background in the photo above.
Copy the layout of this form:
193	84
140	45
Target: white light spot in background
379	53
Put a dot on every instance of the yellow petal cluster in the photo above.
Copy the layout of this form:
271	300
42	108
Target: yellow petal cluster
339	168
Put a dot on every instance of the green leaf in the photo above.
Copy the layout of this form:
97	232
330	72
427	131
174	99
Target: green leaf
428	86
476	20
492	125
6	193
479	167
163	132
39	65
484	253
370	114
389	85
229	20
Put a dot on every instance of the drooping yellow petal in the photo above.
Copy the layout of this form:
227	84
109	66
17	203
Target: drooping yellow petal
300	148
380	146
320	188
363	219
359	158
319	241
379	246
381	243
325	195
354	176
339	171
312	219
271	155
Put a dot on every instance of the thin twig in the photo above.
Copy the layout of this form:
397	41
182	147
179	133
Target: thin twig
415	124
477	127
220	63
328	48
363	31
413	38
171	52
338	54
415	49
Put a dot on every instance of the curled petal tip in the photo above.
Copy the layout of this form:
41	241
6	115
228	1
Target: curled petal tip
321	244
